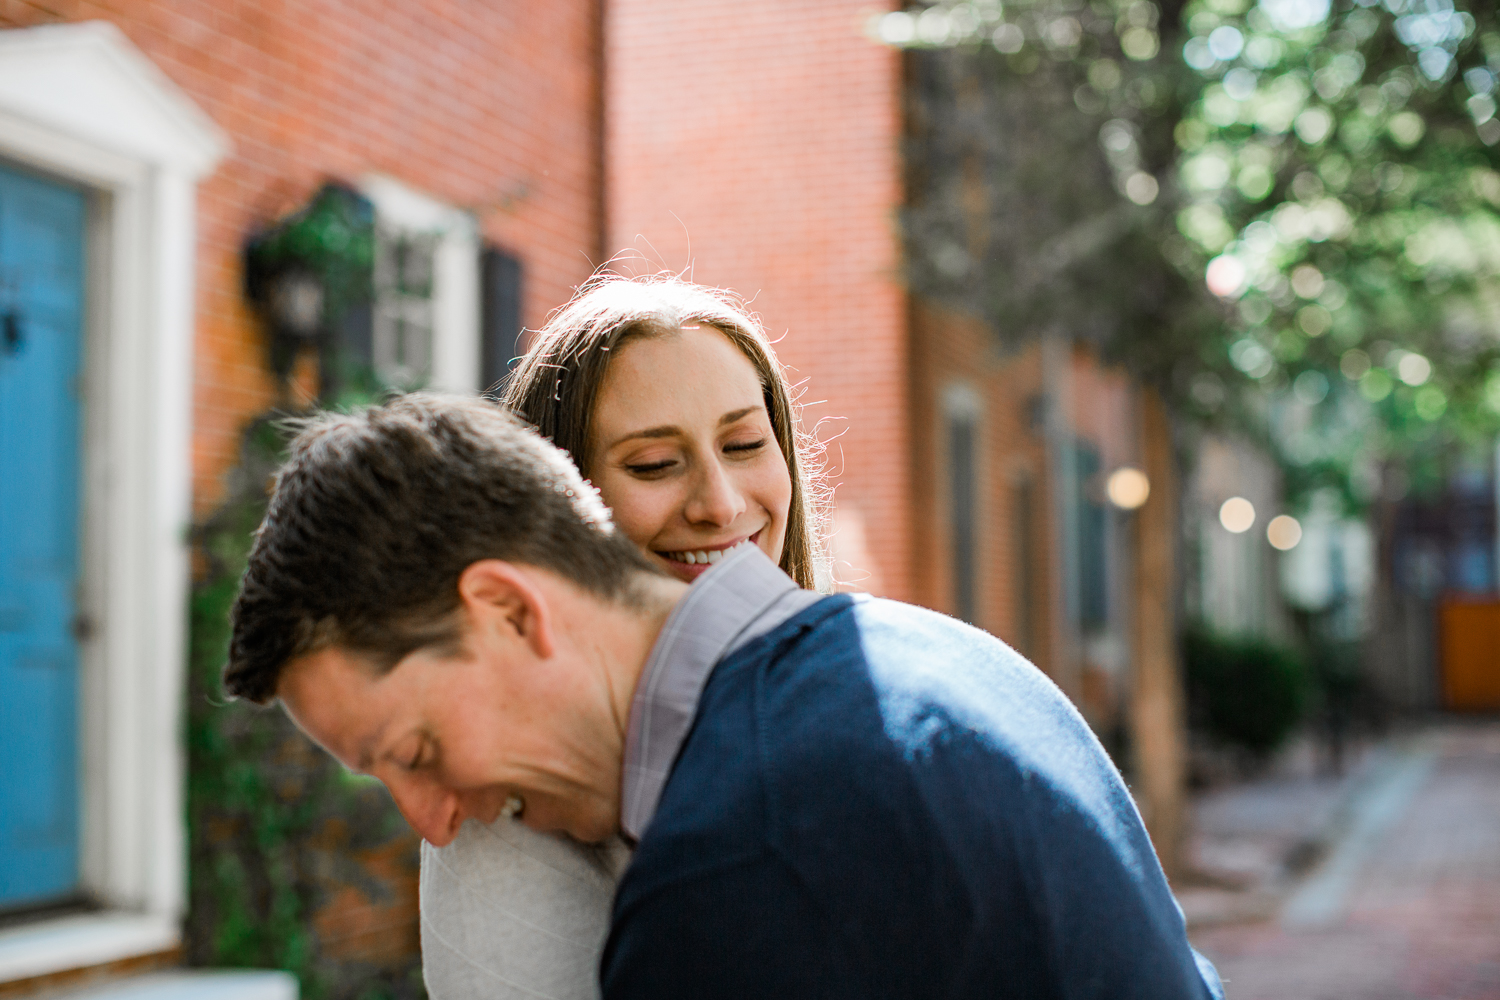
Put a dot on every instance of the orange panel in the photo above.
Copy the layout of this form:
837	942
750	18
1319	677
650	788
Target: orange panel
1471	655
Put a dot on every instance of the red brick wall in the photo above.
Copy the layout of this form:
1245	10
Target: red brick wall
757	140
1018	599
951	349
490	106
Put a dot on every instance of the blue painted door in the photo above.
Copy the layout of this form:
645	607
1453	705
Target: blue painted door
41	326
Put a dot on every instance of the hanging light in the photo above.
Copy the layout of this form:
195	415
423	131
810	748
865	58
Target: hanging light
295	303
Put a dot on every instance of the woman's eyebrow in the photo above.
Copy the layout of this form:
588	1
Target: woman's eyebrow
650	432
734	415
671	430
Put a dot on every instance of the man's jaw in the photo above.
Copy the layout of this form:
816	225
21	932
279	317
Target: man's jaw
689	564
589	821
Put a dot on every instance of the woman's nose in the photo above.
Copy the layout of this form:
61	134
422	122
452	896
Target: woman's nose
715	498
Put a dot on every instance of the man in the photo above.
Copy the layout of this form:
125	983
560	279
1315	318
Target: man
837	797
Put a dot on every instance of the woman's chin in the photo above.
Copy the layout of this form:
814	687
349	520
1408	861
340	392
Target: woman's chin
683	571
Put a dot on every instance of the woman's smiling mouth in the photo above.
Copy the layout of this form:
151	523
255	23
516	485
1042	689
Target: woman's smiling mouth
692	563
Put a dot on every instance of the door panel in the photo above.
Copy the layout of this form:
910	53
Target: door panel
41	313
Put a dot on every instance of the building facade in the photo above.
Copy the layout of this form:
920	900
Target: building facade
143	147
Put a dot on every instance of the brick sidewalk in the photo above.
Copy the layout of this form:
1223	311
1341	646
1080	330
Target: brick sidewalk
1420	916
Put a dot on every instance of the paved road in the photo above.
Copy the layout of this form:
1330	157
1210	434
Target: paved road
1407	906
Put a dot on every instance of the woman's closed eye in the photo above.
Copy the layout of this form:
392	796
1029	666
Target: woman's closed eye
746	447
649	468
659	467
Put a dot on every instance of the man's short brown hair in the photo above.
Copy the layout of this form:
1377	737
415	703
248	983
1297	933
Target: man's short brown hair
377	513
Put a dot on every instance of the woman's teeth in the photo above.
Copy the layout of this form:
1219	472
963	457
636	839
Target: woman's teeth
703	556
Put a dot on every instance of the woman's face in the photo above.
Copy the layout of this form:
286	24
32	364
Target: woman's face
682	451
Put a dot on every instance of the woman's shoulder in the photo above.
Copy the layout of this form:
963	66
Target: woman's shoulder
506	907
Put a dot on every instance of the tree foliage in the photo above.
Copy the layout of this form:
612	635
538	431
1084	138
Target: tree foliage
1284	212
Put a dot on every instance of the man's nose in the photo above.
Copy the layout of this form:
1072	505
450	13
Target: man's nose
715	499
435	813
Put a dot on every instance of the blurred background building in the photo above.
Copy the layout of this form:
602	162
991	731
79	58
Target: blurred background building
970	230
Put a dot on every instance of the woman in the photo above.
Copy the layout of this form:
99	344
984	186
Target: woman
670	399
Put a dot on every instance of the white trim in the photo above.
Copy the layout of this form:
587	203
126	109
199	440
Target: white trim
80	103
455	276
197	984
87	80
81	941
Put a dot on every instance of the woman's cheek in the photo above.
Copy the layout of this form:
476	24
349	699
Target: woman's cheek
777	493
635	509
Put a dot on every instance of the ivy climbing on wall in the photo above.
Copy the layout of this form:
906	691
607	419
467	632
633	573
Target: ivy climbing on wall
295	863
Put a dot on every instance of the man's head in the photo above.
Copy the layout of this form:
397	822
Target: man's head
421	594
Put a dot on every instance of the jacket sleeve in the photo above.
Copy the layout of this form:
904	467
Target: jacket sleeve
1115	929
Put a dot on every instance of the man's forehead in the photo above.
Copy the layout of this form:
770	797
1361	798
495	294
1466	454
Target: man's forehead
332	695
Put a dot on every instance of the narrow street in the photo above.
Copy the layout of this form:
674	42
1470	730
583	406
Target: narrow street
1404	903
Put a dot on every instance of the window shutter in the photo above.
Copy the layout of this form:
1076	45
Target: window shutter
500	317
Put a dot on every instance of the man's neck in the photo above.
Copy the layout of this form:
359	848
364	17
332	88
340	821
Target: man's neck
621	640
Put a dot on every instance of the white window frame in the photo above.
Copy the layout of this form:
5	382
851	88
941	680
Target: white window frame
79	103
455	275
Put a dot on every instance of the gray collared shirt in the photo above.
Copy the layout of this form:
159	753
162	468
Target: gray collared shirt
744	596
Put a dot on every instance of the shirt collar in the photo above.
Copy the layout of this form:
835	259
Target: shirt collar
743	596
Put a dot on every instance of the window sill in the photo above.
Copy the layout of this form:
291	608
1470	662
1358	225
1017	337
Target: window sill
80	941
197	985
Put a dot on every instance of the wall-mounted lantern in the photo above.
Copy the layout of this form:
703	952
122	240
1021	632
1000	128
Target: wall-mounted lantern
310	278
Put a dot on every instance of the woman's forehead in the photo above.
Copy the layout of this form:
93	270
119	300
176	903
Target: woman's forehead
695	371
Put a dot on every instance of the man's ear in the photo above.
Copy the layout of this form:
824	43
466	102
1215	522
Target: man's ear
497	595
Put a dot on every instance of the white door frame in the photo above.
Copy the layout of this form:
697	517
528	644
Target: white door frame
79	103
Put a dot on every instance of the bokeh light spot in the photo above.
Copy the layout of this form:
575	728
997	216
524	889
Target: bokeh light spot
1414	369
1141	188
1284	532
1225	42
1311	387
1237	515
1127	488
1225	276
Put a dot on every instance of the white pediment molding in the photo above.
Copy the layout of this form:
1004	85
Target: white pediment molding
87	80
